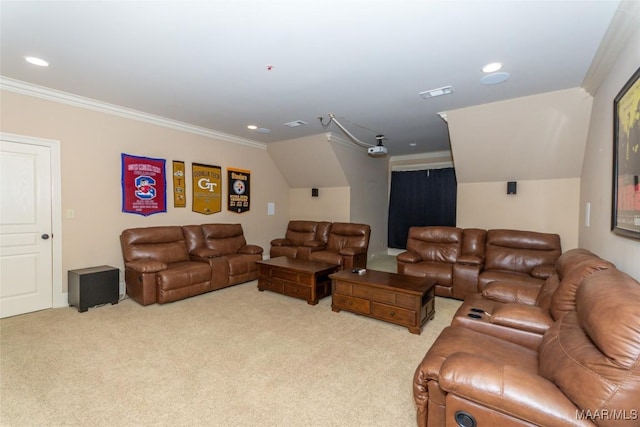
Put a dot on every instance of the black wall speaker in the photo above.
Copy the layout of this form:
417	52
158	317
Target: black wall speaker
512	187
314	192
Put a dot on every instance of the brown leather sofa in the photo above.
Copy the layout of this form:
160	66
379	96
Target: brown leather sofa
585	372
225	249
521	312
301	238
347	246
157	267
169	263
464	261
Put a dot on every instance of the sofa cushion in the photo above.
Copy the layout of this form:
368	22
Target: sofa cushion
183	274
442	273
563	299
299	232
593	354
439	244
166	244
223	238
520	251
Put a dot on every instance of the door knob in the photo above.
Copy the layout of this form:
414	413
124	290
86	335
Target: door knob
44	236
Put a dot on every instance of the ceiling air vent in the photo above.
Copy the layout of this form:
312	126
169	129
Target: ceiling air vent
427	94
296	123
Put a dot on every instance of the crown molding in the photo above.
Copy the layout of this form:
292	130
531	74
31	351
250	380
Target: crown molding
422	156
36	91
624	23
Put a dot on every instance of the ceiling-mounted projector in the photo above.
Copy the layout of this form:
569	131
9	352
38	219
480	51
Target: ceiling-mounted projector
378	150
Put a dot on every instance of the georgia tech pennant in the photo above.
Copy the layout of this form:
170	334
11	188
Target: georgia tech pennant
144	188
207	188
238	191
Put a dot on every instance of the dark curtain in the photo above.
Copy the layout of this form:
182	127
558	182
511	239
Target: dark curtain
420	198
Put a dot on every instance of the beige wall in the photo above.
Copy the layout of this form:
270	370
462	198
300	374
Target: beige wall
548	206
332	204
597	174
91	143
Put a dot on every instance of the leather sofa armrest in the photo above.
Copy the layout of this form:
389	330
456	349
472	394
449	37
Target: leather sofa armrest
352	251
281	242
523	317
512	292
315	244
250	249
508	390
469	259
543	271
409	257
205	253
147	266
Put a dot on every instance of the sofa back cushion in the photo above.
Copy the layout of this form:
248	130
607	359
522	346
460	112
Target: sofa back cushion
438	244
299	232
166	244
348	235
520	251
225	239
474	242
593	354
563	299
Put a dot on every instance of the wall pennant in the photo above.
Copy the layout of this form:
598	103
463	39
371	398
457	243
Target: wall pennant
207	188
144	187
179	185
238	191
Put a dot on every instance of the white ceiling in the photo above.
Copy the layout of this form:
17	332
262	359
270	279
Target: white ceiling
205	63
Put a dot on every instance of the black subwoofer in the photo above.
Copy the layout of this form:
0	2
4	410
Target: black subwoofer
93	286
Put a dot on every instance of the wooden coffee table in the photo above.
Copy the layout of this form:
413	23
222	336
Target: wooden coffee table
296	278
403	300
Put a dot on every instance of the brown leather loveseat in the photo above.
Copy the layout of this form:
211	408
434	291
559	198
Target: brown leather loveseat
585	372
169	263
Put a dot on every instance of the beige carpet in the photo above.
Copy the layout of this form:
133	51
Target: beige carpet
234	357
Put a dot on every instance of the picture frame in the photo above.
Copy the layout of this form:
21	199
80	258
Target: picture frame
625	218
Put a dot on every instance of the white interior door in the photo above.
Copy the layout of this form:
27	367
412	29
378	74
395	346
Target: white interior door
25	228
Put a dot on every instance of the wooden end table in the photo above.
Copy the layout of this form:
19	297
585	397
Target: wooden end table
296	278
403	300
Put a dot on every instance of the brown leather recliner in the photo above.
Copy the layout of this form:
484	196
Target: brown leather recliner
519	256
432	252
158	268
302	238
521	312
586	371
225	249
347	246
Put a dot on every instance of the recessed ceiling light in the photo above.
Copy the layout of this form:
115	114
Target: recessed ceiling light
495	78
412	144
36	61
492	67
252	127
264	130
